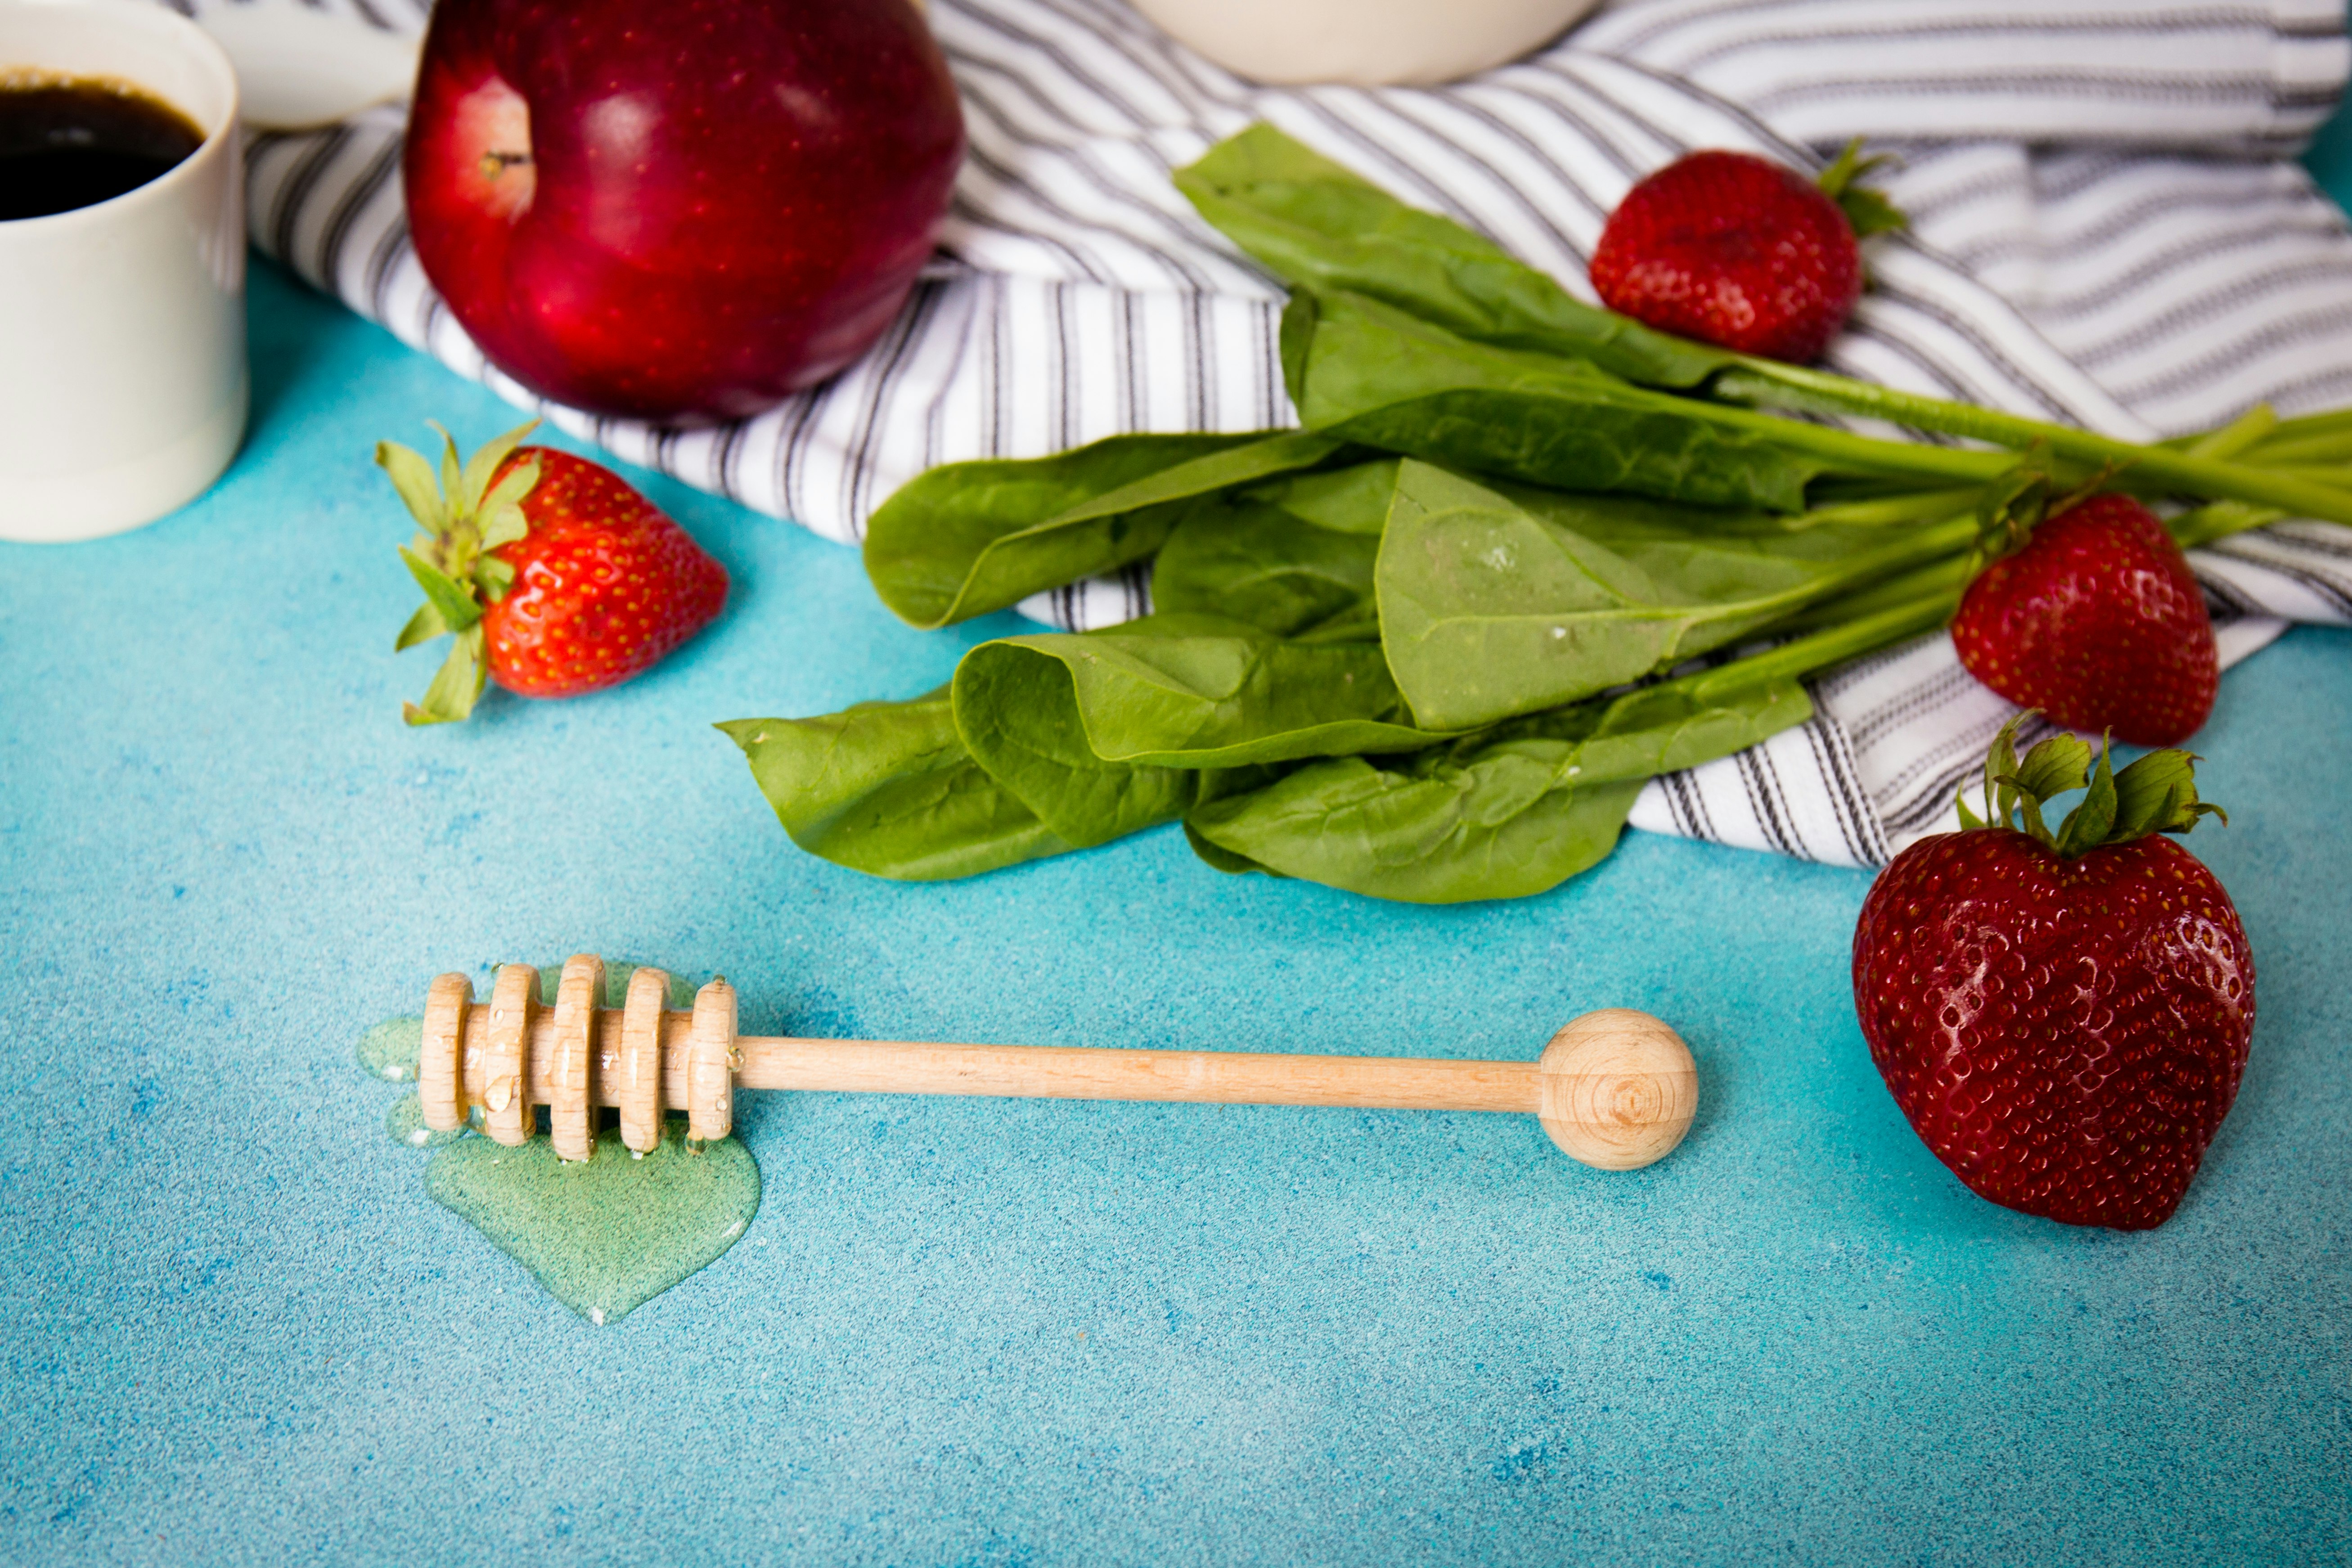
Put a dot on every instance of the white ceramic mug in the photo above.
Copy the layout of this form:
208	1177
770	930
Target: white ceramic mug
122	378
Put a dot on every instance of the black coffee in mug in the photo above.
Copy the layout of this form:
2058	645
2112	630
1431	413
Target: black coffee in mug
73	141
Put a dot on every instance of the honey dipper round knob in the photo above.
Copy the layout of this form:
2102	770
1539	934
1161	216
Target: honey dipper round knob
1619	1088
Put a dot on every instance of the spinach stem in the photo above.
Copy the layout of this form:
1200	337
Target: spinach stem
2239	433
1833	644
1950	576
2318	446
1914	506
2322	473
2336	422
1795	387
1864	454
2219	520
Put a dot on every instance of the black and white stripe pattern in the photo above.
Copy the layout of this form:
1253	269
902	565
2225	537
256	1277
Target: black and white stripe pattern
2216	75
2161	273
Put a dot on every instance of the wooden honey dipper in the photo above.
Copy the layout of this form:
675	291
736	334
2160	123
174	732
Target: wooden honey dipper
1616	1089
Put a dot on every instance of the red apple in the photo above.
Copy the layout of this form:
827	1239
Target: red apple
678	210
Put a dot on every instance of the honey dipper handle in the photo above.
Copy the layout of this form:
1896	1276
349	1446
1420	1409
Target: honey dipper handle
1229	1077
909	1068
1047	1072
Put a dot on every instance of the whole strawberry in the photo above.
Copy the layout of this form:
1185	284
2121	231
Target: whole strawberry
2098	622
2062	1017
1740	251
554	576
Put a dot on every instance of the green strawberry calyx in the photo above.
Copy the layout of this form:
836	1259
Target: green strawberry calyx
2157	794
461	520
1868	211
2019	501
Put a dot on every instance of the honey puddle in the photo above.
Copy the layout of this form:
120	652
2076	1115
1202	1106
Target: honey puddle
607	1235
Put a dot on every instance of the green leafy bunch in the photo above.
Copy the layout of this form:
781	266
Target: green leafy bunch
1524	556
2157	794
461	522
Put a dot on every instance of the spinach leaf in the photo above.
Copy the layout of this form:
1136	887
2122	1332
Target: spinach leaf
1493	828
1293	558
1020	718
887	788
1222	786
1169	692
1350	499
1378	377
1504	814
968	538
1500	601
1323	229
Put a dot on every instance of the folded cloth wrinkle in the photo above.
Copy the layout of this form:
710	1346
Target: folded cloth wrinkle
2159	269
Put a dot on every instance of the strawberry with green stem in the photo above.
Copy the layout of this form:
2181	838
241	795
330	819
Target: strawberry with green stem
2085	608
1740	251
2062	1016
549	572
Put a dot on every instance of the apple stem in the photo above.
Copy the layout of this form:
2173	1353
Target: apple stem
497	163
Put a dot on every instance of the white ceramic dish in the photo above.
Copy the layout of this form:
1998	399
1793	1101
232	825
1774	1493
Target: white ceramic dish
1366	43
297	68
122	323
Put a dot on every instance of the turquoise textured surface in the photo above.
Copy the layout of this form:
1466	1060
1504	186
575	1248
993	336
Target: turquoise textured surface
237	1330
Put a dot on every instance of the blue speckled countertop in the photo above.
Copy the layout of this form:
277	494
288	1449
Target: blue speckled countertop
236	1331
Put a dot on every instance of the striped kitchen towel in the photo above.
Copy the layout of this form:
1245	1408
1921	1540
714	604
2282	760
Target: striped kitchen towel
2107	231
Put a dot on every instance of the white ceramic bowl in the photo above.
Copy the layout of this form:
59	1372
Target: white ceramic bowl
1366	43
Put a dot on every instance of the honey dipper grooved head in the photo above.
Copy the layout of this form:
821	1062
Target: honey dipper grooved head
1619	1089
